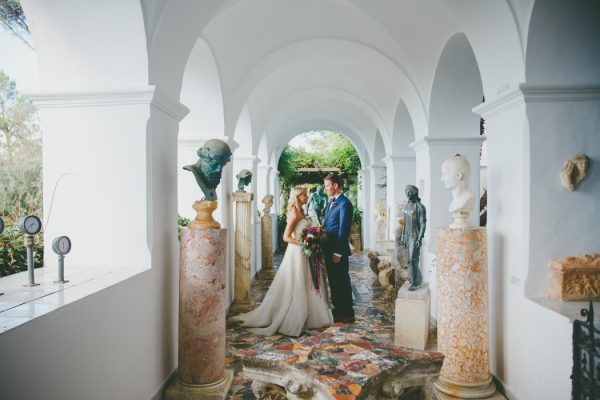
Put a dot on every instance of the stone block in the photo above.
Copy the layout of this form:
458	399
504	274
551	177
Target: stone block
412	316
575	278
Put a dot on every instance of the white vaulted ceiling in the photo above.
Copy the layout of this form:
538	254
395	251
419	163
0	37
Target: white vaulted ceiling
319	64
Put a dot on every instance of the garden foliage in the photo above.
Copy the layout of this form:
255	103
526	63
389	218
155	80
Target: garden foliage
20	174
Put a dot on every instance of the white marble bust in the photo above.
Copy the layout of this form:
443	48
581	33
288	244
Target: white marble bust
456	173
268	202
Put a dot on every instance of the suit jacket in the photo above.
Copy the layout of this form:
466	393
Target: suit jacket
337	223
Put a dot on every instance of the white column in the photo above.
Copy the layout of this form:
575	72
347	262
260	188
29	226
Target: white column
250	163
377	194
401	171
367	214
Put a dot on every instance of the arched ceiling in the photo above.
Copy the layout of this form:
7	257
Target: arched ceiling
346	62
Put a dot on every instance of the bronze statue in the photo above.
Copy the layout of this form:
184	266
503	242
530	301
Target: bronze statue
316	204
212	157
244	178
412	233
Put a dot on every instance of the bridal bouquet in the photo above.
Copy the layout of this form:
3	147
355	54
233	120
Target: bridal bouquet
312	239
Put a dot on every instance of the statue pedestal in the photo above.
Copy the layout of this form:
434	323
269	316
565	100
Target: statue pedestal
463	332
243	250
202	304
266	239
412	316
204	218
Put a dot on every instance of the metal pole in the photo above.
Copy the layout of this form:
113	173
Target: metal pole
29	245
61	269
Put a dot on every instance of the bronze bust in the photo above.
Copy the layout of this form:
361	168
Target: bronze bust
244	178
212	157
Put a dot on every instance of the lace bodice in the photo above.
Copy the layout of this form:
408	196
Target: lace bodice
303	223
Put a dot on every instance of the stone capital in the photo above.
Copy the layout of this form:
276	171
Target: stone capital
428	142
242	197
528	93
150	95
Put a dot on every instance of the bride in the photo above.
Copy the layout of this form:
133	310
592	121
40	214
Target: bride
292	302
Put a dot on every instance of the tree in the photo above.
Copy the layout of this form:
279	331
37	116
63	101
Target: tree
13	19
20	152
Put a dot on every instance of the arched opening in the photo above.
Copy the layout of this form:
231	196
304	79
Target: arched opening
201	93
453	127
306	160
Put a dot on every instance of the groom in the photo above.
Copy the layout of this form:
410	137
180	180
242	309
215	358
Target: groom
336	222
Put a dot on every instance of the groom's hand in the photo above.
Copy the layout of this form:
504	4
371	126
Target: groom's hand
335	259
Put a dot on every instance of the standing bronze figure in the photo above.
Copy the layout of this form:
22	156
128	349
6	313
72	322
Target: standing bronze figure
413	231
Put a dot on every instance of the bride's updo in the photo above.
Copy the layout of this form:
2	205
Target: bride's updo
293	202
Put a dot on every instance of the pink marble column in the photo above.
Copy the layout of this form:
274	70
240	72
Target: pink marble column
462	307
202	306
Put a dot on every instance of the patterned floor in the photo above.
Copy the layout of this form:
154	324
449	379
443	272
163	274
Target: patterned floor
374	310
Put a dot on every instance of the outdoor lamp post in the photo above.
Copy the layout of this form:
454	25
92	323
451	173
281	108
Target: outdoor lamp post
30	225
61	246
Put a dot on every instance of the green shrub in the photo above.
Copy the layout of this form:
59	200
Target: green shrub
13	254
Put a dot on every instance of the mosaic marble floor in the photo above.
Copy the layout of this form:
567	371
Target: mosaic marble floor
374	309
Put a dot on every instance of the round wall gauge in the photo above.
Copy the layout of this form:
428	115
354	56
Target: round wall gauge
30	225
61	245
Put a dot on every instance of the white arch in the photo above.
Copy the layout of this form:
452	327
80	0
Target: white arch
456	90
290	131
348	106
201	93
318	52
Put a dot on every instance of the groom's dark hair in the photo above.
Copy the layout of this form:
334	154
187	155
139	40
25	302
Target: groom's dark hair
334	178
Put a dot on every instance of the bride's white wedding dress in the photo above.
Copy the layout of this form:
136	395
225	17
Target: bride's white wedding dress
291	303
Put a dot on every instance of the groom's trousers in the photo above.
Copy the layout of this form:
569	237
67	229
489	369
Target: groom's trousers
341	290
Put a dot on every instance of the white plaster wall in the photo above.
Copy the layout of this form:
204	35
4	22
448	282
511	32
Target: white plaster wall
93	347
566	225
533	357
188	190
100	151
108	58
115	344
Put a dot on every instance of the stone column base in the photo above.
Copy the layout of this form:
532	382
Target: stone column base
445	389
267	273
213	391
412	316
238	307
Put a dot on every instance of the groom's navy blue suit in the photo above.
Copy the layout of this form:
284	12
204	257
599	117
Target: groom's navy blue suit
337	222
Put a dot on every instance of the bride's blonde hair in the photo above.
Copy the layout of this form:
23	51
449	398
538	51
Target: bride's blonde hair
293	202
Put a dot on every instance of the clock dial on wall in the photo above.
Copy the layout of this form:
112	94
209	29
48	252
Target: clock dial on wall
30	225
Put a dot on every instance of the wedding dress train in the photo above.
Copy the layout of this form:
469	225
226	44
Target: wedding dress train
292	302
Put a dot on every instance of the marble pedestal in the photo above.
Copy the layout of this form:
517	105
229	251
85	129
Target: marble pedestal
266	238
463	332
202	303
412	316
242	301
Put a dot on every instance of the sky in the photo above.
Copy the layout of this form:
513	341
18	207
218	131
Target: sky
299	141
18	61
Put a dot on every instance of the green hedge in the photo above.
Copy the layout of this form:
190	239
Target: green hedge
13	254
